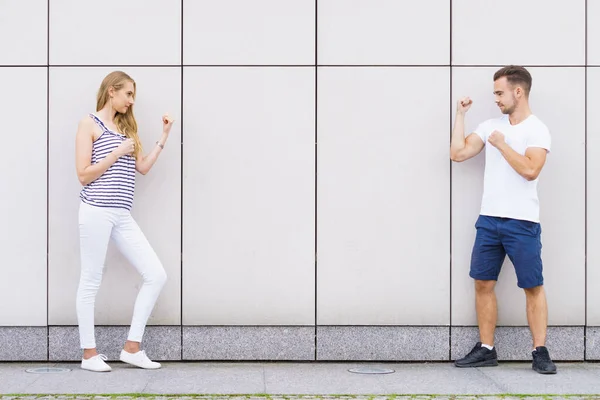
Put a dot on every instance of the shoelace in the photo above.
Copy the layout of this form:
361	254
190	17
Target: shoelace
543	355
102	357
474	350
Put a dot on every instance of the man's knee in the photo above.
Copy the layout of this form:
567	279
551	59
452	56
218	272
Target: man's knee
482	287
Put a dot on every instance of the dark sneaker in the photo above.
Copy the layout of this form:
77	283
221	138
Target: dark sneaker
542	362
478	357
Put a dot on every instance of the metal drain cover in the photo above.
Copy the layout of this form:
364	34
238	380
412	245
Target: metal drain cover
47	370
371	370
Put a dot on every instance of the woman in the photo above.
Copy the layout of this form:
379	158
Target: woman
108	152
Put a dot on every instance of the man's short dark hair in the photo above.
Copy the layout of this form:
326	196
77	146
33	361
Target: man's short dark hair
515	75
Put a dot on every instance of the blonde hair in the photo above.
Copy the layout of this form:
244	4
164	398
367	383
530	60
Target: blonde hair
125	122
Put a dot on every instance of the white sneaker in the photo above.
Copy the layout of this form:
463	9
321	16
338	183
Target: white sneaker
96	364
139	359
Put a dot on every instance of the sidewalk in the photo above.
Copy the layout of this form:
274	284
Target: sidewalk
279	378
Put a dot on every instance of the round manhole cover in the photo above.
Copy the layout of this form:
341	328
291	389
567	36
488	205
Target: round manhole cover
371	370
47	370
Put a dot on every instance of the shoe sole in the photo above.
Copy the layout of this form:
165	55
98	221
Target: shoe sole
486	363
139	366
539	371
96	370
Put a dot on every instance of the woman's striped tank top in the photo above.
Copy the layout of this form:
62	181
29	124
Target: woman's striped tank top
116	186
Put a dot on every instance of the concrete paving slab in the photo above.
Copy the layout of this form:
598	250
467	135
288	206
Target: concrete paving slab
208	378
328	378
519	378
293	379
442	378
14	379
122	379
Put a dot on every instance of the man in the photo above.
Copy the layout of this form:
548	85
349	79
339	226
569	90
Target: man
516	146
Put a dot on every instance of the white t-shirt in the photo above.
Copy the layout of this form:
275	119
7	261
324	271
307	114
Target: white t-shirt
506	193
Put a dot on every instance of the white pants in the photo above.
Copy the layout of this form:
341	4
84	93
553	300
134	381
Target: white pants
97	225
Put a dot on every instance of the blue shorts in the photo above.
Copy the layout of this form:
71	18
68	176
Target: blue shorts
498	237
